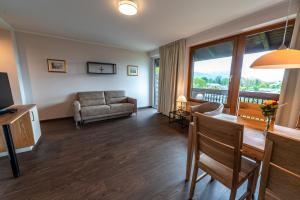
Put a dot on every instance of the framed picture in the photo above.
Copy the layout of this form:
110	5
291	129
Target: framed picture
57	66
101	68
132	70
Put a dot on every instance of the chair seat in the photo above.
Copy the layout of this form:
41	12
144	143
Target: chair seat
270	196
223	173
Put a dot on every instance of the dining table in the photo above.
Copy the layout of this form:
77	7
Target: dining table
254	138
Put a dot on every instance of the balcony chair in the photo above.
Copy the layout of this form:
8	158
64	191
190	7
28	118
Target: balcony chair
280	178
208	108
218	153
251	114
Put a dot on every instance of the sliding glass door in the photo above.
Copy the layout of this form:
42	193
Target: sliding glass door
155	82
220	70
256	85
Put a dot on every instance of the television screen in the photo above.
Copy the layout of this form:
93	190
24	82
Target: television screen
6	98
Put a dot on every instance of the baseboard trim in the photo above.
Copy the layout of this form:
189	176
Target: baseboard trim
144	107
54	119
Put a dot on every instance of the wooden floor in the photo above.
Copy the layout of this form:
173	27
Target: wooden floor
140	157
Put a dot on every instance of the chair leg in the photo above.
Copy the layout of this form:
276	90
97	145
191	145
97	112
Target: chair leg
211	179
194	180
233	193
190	151
77	124
255	179
249	187
252	181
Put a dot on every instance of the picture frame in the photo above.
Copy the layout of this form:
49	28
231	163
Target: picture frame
101	68
58	66
132	70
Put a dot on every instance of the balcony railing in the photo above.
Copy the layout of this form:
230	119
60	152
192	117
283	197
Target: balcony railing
222	95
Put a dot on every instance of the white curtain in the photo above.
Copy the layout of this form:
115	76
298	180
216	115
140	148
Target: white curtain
290	92
171	62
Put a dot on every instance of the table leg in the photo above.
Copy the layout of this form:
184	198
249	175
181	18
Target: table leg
11	151
255	179
182	121
190	151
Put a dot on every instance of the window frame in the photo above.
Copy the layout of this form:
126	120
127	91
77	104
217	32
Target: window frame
236	64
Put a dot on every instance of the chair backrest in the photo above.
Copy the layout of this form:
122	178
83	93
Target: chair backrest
221	140
281	168
208	108
250	111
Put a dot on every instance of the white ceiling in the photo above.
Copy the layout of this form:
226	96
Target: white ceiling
158	21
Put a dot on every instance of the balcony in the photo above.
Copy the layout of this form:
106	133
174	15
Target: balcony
221	96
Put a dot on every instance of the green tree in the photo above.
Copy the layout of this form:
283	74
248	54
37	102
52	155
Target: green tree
199	83
224	81
204	78
218	79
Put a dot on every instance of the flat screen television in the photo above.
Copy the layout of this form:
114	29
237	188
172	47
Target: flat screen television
6	98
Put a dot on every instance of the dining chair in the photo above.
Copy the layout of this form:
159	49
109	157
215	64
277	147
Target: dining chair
207	108
280	178
218	153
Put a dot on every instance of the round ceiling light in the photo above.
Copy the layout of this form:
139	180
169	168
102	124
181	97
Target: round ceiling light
127	7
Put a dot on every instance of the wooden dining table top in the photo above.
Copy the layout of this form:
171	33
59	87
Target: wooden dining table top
254	135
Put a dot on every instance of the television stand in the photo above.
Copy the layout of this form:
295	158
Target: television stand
8	110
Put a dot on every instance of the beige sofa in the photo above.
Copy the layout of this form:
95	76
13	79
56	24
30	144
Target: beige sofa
99	105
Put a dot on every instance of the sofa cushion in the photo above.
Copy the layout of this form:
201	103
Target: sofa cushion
121	108
117	96
95	110
91	98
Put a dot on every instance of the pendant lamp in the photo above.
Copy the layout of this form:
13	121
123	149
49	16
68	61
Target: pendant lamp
283	58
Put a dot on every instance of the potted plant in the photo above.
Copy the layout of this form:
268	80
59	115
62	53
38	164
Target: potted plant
269	108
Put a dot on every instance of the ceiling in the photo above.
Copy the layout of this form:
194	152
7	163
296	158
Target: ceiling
158	22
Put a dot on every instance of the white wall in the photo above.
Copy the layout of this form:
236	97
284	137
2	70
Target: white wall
8	63
54	92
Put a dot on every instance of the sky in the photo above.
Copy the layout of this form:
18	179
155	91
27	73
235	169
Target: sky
221	66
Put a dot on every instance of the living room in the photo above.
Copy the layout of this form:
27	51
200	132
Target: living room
102	99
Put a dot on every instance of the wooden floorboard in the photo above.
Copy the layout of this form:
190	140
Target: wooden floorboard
138	157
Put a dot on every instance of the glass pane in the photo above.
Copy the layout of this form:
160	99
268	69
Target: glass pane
156	78
211	68
257	85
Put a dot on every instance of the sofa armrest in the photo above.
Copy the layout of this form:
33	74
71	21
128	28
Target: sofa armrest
133	101
77	110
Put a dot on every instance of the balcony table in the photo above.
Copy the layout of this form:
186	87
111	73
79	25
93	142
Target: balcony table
253	139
